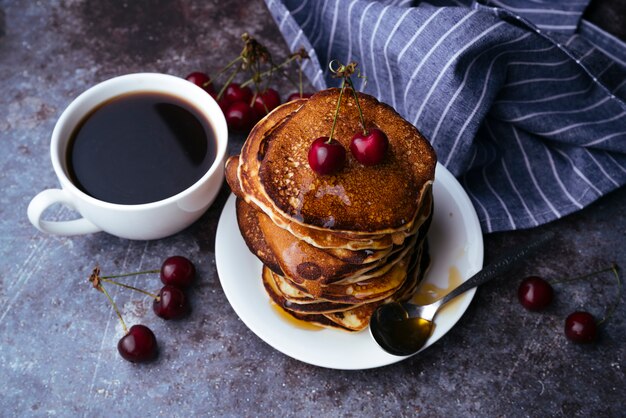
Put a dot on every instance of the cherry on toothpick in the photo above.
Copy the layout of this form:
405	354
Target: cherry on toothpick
139	345
326	156
369	148
534	293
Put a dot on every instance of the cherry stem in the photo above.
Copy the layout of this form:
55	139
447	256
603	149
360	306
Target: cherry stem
332	128
614	269
299	87
230	64
356	99
300	77
610	311
228	81
270	71
298	84
127	286
299	56
117	311
584	276
130	274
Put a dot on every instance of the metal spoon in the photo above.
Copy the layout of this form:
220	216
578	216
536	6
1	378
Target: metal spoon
402	328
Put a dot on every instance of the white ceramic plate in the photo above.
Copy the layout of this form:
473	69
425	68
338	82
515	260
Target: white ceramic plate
456	246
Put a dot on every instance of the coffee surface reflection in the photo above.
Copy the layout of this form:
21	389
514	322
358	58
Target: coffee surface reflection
139	148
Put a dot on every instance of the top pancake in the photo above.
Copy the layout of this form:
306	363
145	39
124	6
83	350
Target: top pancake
379	199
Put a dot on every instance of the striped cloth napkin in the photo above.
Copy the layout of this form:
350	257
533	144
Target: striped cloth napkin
523	100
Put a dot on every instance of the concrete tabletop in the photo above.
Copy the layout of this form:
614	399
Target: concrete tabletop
58	335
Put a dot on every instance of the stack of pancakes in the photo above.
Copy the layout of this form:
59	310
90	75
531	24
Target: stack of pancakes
334	247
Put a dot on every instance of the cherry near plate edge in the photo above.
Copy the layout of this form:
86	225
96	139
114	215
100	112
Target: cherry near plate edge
455	240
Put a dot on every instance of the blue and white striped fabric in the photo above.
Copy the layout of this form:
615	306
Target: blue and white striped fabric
522	99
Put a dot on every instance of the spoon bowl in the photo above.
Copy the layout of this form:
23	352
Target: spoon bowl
403	328
397	332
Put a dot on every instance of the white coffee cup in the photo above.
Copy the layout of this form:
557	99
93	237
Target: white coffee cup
138	221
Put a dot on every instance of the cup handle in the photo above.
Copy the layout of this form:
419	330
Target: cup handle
47	198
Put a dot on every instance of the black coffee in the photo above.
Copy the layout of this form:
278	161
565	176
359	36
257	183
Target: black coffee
140	148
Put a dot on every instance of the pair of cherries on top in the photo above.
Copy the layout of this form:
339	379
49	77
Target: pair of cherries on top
369	146
327	155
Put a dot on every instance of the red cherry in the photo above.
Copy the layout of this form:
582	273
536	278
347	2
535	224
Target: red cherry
266	102
222	102
239	116
580	327
201	80
235	93
370	148
326	156
296	96
139	345
178	271
534	293
171	303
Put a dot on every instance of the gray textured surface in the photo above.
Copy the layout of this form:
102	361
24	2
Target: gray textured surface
58	336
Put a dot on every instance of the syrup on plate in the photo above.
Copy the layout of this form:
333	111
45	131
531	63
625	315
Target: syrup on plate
298	323
428	293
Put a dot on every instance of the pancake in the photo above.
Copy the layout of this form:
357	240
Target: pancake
275	297
375	288
367	290
315	237
294	300
248	222
360	200
306	262
358	318
285	254
334	247
343	316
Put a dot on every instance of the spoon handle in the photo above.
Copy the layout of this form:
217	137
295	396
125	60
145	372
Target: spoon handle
494	270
